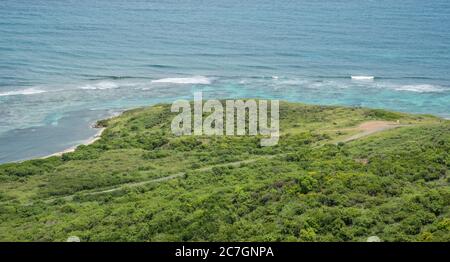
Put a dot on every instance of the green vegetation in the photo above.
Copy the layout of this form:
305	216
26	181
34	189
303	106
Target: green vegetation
140	183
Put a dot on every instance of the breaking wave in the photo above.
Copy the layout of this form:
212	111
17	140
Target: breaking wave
421	88
100	86
201	80
28	91
365	78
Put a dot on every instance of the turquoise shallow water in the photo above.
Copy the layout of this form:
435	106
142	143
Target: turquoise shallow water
64	64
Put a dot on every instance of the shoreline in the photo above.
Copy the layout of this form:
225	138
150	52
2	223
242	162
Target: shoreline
87	142
90	140
101	129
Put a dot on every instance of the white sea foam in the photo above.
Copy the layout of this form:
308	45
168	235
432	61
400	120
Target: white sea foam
293	82
420	88
363	78
202	80
28	91
100	86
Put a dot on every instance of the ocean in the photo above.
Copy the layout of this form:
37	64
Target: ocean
65	64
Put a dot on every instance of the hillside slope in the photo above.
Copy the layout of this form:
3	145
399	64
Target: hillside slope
326	180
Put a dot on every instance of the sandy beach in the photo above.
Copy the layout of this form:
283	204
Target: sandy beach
89	141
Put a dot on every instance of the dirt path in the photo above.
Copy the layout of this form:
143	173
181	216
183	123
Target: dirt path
156	180
366	129
370	127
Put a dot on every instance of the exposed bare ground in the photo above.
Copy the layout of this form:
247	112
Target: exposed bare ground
371	127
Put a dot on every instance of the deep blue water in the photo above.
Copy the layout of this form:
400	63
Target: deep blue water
64	64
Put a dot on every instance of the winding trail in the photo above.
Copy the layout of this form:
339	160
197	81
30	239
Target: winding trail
156	180
366	129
